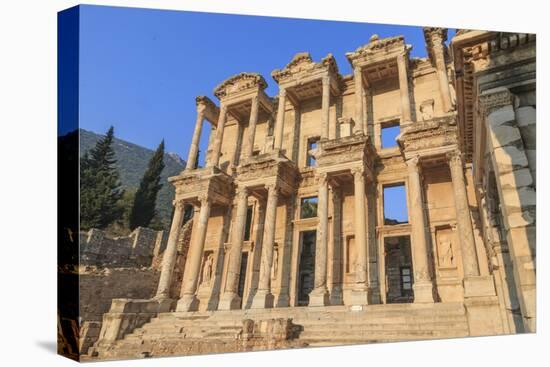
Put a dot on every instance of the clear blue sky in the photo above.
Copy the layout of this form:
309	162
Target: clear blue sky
140	69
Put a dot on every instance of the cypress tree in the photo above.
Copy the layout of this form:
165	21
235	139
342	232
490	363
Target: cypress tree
143	211
100	189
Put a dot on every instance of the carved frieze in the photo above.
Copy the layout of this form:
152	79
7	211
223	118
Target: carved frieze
434	133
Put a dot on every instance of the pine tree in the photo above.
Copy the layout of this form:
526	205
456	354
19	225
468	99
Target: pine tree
100	190
143	211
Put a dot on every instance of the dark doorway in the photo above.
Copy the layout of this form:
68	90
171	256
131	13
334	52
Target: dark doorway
242	275
306	267
399	273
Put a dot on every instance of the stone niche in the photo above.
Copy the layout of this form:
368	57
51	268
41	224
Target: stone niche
448	262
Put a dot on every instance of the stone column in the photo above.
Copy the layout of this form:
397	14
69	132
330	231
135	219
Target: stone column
437	36
230	299
170	254
252	127
403	71
422	286
194	149
263	297
188	300
216	149
280	122
319	296
463	218
359	93
325	107
360	291
335	261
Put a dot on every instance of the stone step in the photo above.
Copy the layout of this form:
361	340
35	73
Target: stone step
395	327
388	335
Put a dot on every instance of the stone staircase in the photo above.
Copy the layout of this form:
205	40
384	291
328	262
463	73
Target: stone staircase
179	333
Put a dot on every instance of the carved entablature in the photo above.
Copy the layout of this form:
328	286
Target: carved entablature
494	99
377	50
477	52
438	134
268	168
209	108
239	83
207	182
341	154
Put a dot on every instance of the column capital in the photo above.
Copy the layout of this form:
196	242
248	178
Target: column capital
435	36
322	178
242	191
413	164
178	204
272	188
203	199
494	99
326	79
455	158
282	92
358	172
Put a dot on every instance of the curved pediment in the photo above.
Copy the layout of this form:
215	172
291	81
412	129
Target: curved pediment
240	82
303	64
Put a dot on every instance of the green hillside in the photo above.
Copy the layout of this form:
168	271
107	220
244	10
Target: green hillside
132	161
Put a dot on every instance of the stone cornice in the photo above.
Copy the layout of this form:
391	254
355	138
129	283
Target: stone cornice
494	99
302	63
377	45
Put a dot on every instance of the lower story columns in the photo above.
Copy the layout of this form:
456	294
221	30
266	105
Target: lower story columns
188	300
264	297
423	285
319	296
359	294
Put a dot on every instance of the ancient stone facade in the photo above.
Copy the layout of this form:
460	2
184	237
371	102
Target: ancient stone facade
289	207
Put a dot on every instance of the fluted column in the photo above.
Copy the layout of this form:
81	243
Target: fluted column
280	122
230	299
437	37
216	149
263	297
403	71
423	286
319	295
359	294
194	149
188	300
463	218
252	127
325	107
170	254
359	93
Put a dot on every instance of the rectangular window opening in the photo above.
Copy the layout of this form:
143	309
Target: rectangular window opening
390	132
308	207
248	225
311	144
395	204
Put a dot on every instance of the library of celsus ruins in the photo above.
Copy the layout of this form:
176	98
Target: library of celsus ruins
292	240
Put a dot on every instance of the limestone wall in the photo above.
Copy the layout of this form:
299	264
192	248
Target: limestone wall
139	248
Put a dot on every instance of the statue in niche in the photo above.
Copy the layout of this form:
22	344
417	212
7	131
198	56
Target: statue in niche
207	269
446	256
427	110
275	266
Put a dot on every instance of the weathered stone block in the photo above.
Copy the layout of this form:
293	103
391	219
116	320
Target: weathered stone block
509	158
515	179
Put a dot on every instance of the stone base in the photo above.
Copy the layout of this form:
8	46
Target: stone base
187	303
262	299
336	296
480	286
230	301
423	292
359	297
319	298
482	307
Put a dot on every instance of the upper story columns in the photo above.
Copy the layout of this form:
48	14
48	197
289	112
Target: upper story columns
435	42
206	109
303	79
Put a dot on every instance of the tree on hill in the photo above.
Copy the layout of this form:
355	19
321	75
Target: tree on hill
143	210
100	189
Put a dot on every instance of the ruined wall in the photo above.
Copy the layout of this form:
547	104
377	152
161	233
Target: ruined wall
139	248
